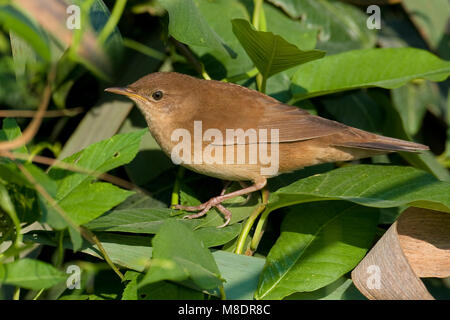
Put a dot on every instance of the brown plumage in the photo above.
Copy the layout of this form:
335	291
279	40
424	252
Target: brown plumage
304	139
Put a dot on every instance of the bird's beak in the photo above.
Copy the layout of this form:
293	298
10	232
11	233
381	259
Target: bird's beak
124	91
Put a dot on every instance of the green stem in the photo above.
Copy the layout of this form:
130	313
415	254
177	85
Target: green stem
263	85
139	47
247	227
112	21
247	75
257	13
16	295
259	230
38	294
176	187
257	235
223	296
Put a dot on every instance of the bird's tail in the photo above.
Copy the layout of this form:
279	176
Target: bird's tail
381	143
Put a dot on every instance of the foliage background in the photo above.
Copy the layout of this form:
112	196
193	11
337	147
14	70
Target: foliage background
308	247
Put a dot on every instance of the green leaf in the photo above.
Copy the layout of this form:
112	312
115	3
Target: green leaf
240	272
341	26
13	19
84	200
221	64
150	220
369	185
132	252
166	290
270	53
387	68
431	18
293	31
187	25
212	236
89	200
411	102
10	131
393	127
179	255
30	274
355	109
341	289
319	243
140	220
163	290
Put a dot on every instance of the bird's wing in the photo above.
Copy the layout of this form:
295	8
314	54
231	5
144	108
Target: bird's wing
295	124
292	123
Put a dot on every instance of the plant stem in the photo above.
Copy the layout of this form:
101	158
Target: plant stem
38	294
16	295
223	296
112	21
261	223
176	187
248	225
139	47
249	74
257	13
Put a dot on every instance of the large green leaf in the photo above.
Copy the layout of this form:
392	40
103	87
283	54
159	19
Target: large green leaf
387	68
221	64
132	252
240	272
150	220
293	31
341	26
270	53
84	200
319	243
369	185
30	274
187	25
179	255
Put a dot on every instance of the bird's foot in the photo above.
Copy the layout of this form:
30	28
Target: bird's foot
205	207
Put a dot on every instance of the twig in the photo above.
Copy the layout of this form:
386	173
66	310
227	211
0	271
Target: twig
48	114
34	125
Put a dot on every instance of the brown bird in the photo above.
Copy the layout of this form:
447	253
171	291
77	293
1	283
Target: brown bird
197	123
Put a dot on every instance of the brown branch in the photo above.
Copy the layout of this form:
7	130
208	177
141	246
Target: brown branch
48	114
34	125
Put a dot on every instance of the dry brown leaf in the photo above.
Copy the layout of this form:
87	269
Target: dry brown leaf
416	245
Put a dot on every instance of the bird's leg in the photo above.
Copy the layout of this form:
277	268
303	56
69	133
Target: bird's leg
216	201
249	196
203	205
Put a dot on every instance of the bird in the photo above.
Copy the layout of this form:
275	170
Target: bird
215	128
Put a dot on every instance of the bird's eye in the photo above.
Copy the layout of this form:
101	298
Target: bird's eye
157	95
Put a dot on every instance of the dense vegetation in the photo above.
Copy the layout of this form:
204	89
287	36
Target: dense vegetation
85	189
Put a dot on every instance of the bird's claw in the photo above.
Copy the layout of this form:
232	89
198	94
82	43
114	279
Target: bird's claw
204	208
